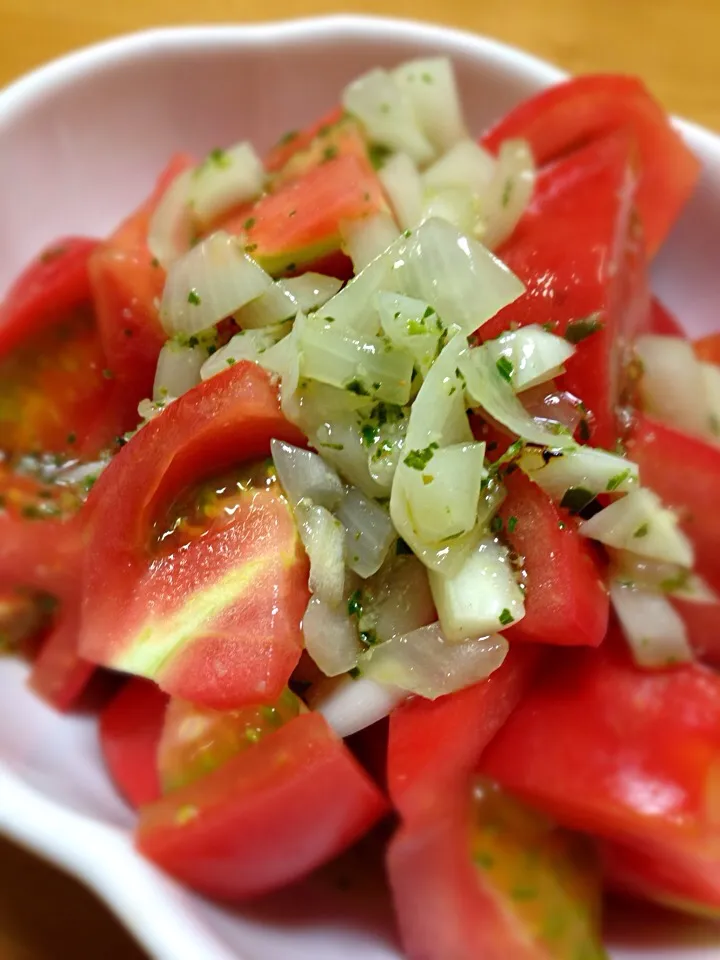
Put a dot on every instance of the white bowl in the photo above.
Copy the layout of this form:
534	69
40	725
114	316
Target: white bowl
81	142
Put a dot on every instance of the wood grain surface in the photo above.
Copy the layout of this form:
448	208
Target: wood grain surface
672	44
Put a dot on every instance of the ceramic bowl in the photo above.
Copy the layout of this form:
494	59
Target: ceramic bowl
81	141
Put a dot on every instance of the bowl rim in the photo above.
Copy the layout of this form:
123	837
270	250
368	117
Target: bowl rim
78	844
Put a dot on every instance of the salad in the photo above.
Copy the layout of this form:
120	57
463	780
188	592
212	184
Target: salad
383	434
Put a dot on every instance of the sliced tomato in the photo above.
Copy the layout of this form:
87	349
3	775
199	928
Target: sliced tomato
341	139
266	817
207	603
708	348
59	674
702	622
566	602
295	141
127	284
579	252
130	728
585	109
481	875
684	471
434	744
607	748
24	615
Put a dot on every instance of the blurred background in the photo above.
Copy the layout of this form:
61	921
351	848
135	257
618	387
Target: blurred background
671	44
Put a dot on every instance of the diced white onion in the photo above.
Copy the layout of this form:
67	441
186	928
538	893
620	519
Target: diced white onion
149	409
466	164
226	179
654	630
369	532
178	370
323	537
340	442
310	290
438	412
171	225
402	184
487	388
274	306
491	499
248	345
352	705
354	305
639	522
397	600
509	193
367	238
330	638
210	282
454	204
711	380
483	597
672	387
80	473
431	88
387	114
534	356
596	471
426	663
412	325
632	570
305	475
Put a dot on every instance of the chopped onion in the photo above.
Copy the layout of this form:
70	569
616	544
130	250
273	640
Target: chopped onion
367	238
672	387
654	630
491	499
273	306
487	387
362	365
454	204
467	165
310	290
248	345
456	275
402	184
369	532
397	600
426	663
587	468
631	570
331	638
171	225
438	412
305	475
431	88
149	409
178	370
483	597
533	355
340	442
412	325
354	305
352	705
387	114
711	380
323	537
509	193
639	522
83	475
226	179
212	281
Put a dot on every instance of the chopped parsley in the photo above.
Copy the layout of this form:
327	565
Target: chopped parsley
496	524
329	153
507	192
52	253
355	606
511	524
378	155
71	438
194	297
370	434
355	673
108	374
155	262
578	330
419	459
249	223
575	499
616	481
505	368
219	157
642	530
506	617
332	446
356	386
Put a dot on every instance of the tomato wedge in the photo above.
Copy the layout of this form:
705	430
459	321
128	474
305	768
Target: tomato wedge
702	622
266	817
209	608
585	275
295	141
708	348
130	728
584	109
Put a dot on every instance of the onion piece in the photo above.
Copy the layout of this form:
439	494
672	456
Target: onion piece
640	523
354	306
509	193
352	705
402	184
631	570
310	290
466	164
431	88
323	537
341	443
224	180
212	281
711	381
330	638
172	225
491	499
426	663
305	475
483	597
397	600
487	387
247	345
367	238
533	355
652	627
387	114
274	306
596	471
178	370
454	204
369	532
412	325
672	387
438	412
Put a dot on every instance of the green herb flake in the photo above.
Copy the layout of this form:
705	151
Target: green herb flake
356	386
378	154
427	479
288	138
415	327
108	374
194	297
185	814
230	361
579	330
616	481
496	524
576	499
419	459
251	248
71	438
426	78
521	894
332	446
355	673
506	617
219	157
507	192
52	253
642	530
511	524
369	434
484	860
505	368
155	263
355	606
329	153
249	223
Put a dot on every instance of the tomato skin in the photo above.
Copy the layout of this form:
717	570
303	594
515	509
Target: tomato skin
130	728
264	818
434	744
684	472
566	602
576	267
606	748
587	108
244	651
708	348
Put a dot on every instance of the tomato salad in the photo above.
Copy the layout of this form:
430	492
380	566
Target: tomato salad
387	423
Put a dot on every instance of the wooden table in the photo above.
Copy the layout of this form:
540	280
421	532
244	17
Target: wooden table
671	43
